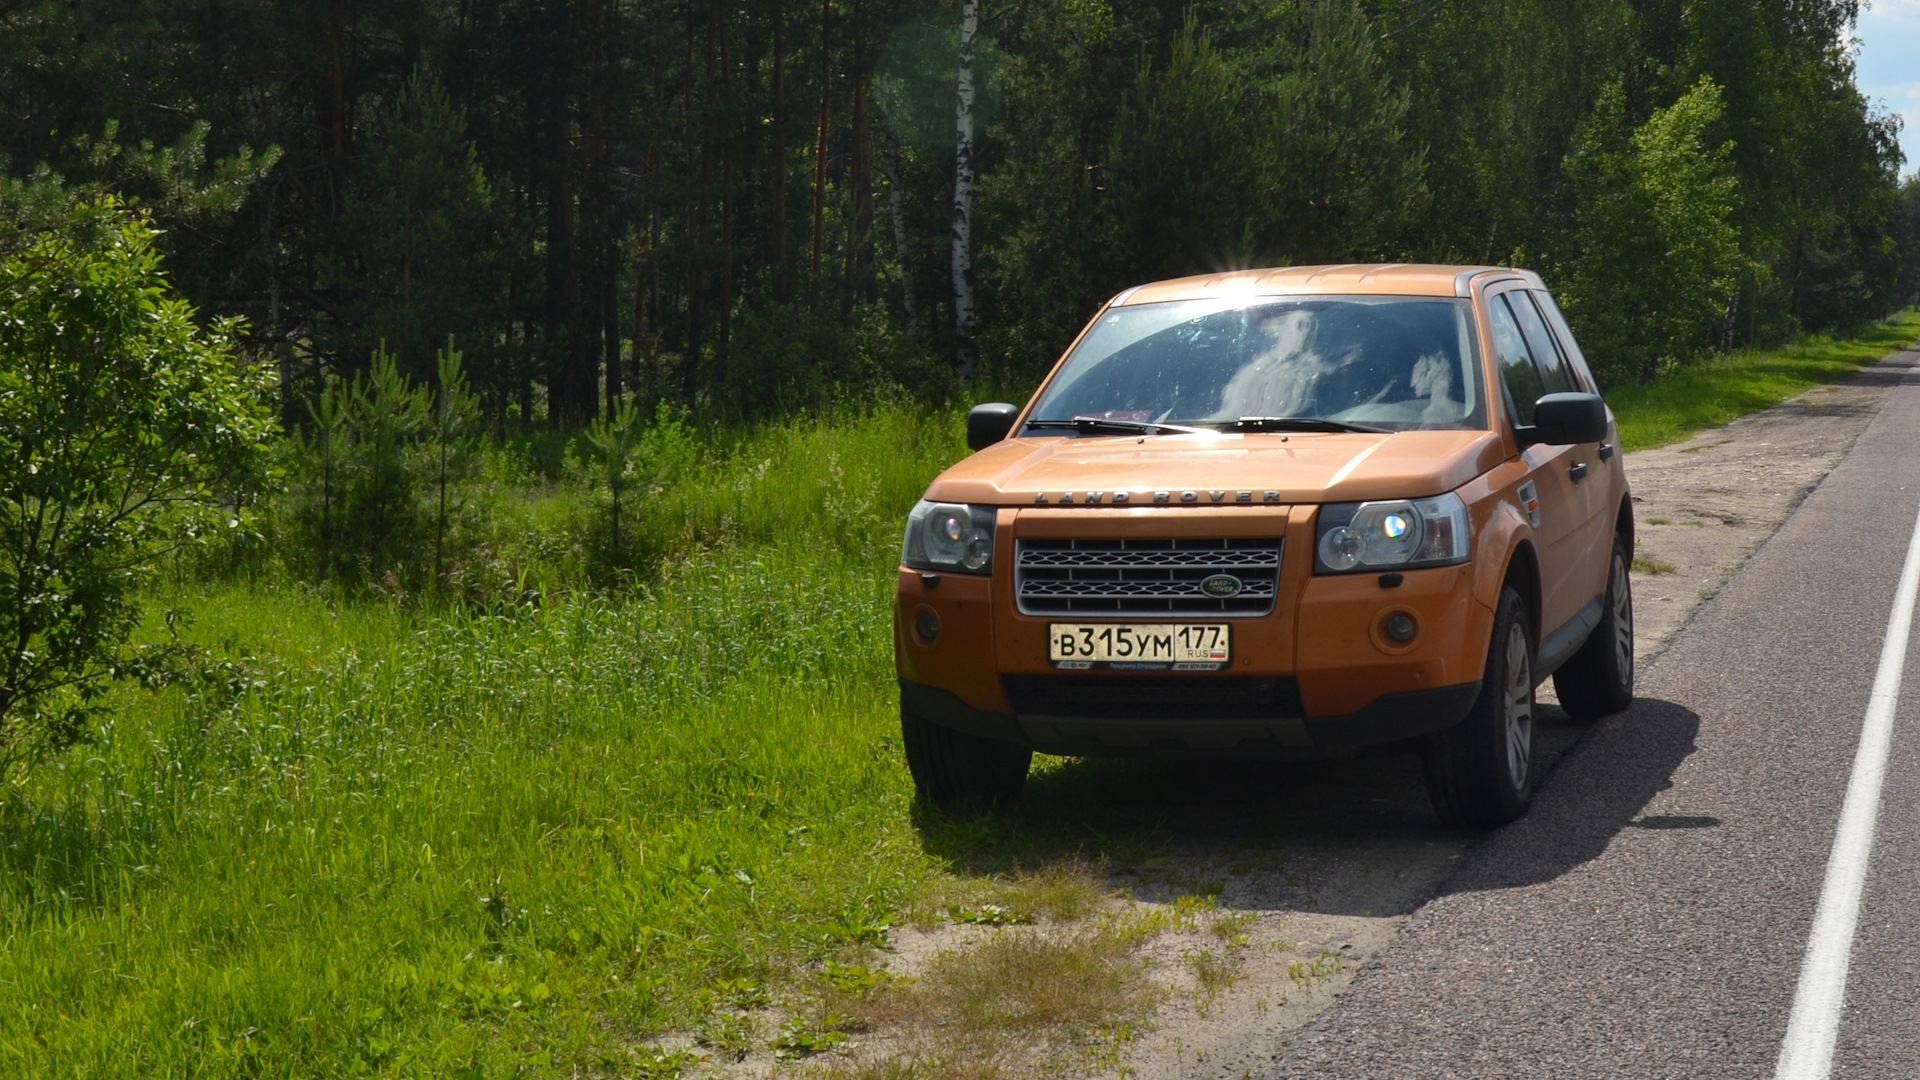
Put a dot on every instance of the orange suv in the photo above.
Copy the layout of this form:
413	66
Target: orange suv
1275	512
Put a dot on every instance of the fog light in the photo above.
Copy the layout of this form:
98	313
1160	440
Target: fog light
926	625
1399	627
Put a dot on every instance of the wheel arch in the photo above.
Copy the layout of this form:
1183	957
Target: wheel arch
1523	573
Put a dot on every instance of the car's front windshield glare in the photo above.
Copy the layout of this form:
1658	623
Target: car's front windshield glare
1396	363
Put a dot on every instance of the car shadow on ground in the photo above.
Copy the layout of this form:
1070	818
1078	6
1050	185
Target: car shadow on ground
1347	835
1599	791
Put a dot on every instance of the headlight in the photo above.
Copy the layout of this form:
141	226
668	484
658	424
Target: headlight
1400	534
949	536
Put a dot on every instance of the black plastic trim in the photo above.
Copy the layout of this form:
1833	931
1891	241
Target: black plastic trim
945	708
1395	717
1388	718
1558	647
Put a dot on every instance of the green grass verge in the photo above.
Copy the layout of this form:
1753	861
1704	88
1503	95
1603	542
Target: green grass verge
502	842
1724	388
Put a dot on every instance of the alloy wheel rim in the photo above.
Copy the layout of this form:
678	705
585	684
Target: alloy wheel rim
1622	619
1519	708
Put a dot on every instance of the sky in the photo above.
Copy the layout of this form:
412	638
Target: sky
1888	70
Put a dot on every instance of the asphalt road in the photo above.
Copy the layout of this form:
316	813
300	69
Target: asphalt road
1650	916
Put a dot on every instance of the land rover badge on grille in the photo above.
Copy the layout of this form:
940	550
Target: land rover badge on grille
1221	586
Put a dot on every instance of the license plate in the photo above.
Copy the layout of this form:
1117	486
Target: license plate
1140	646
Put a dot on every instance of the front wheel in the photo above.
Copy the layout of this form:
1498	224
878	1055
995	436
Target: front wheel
1480	771
956	769
1597	681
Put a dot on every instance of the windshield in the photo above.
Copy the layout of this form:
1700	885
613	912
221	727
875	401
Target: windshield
1395	363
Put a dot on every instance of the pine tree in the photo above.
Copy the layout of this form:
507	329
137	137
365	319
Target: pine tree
416	252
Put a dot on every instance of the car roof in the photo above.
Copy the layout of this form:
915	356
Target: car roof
1383	279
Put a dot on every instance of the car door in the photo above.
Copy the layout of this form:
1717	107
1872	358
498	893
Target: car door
1593	481
1560	527
1558	375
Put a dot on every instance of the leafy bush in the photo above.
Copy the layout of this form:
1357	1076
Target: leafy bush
125	430
1657	259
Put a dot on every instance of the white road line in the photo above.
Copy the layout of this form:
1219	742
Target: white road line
1814	1025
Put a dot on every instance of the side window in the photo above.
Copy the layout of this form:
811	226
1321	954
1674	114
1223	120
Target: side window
1516	363
1554	376
1567	345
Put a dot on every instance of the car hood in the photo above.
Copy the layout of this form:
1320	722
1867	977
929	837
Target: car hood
1298	467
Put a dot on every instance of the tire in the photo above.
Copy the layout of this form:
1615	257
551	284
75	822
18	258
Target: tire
1480	772
958	770
1598	680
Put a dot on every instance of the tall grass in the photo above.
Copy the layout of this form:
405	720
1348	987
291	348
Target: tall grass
404	842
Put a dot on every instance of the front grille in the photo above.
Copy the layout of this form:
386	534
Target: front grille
1143	577
1135	697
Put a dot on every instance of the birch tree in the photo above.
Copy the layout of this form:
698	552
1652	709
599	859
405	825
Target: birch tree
963	196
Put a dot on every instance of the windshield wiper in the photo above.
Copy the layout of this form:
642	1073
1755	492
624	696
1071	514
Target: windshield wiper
1090	425
1298	423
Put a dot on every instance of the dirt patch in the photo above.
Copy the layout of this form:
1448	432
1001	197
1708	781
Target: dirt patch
1232	904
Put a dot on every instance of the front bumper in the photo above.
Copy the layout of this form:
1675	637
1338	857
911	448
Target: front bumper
1317	672
1388	718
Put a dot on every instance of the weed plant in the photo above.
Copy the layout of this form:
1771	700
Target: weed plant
411	839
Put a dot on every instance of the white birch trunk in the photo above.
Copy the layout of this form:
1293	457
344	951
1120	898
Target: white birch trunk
963	196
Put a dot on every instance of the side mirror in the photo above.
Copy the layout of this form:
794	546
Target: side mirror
1565	419
988	424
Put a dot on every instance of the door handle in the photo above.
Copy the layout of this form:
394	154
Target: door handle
1578	471
1606	450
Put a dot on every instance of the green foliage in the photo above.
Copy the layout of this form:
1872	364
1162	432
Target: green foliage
354	483
593	207
1498	91
365	506
174	185
1286	149
1656	260
1189	145
176	181
125	430
420	242
614	439
800	1038
1907	242
455	422
786	360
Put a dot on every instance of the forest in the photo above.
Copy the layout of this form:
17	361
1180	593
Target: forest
752	208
